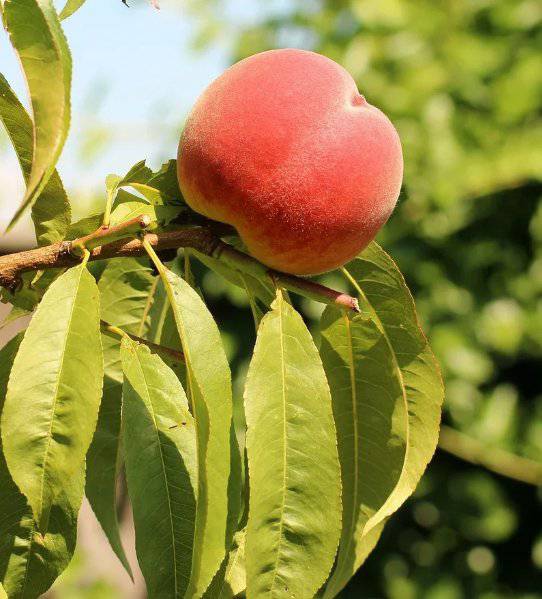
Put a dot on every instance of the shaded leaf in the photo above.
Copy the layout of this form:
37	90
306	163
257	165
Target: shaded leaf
37	37
51	211
161	469
294	515
124	288
371	420
54	391
29	571
210	394
385	299
260	289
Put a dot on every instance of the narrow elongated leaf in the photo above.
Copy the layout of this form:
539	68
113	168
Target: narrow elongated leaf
124	288
37	37
30	562
2	592
161	469
210	394
51	211
294	516
385	298
372	427
70	7
54	391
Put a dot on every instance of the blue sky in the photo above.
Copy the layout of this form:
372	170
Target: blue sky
135	76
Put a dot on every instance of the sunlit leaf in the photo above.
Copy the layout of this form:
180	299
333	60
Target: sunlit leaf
37	37
70	7
54	392
294	518
161	469
385	299
232	578
210	395
159	188
372	429
30	570
51	211
129	206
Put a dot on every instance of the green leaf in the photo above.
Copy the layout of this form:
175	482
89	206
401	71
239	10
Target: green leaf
371	420
2	592
37	37
161	469
256	287
294	518
232	578
51	211
161	322
29	571
85	225
54	391
70	7
124	288
129	206
209	389
385	299
159	188
8	353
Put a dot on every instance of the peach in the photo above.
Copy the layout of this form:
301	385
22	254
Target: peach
283	147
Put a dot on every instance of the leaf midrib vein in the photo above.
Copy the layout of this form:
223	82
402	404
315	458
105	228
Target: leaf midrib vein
57	386
284	445
401	381
170	512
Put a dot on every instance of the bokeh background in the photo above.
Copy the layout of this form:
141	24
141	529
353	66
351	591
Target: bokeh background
462	82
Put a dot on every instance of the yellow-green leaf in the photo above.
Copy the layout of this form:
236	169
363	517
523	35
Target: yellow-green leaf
51	211
54	391
161	469
294	518
37	37
371	419
385	298
210	395
232	578
29	571
70	7
124	288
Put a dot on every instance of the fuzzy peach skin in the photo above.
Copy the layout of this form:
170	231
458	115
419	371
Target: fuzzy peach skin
283	147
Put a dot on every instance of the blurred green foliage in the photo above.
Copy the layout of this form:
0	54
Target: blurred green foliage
462	82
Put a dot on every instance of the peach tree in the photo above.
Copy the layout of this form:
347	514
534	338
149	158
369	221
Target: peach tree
122	372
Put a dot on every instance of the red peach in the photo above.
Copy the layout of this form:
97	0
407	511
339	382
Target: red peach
283	147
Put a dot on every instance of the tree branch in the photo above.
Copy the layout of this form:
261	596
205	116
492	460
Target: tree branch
493	458
162	350
204	239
